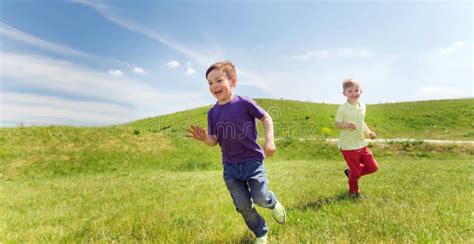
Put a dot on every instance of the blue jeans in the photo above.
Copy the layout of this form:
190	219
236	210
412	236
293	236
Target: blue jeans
246	181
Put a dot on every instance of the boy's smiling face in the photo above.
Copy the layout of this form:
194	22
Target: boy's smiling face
353	94
220	86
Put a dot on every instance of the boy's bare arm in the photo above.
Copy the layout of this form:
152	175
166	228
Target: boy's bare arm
371	134
210	140
200	134
346	125
269	147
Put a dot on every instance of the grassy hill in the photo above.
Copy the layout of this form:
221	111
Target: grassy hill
160	142
145	181
442	119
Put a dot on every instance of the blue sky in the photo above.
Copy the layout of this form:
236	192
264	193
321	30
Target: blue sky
86	62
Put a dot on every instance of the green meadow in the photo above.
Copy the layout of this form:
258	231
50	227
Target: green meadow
145	181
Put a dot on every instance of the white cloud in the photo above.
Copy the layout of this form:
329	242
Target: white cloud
12	33
190	71
32	109
106	12
139	71
204	60
15	34
66	79
173	64
115	72
335	53
455	46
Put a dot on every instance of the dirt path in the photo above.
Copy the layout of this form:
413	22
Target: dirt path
414	140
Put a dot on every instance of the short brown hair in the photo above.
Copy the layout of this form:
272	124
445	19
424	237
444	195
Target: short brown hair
348	82
225	66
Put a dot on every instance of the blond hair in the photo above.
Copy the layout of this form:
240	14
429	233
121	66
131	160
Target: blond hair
225	66
349	82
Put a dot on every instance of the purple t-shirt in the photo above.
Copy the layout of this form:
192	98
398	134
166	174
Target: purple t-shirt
234	125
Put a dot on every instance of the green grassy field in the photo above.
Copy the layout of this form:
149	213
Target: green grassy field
146	181
408	200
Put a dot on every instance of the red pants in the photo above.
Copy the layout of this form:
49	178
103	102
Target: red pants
360	162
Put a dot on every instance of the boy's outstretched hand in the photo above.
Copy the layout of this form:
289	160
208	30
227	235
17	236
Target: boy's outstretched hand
372	135
269	148
197	133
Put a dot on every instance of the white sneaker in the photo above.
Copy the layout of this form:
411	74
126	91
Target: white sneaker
279	213
261	240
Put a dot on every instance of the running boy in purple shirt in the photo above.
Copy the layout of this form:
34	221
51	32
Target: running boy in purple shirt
232	124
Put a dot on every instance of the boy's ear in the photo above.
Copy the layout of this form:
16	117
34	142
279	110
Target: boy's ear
233	81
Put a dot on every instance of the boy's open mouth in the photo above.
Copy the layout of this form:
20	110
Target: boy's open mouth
217	93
